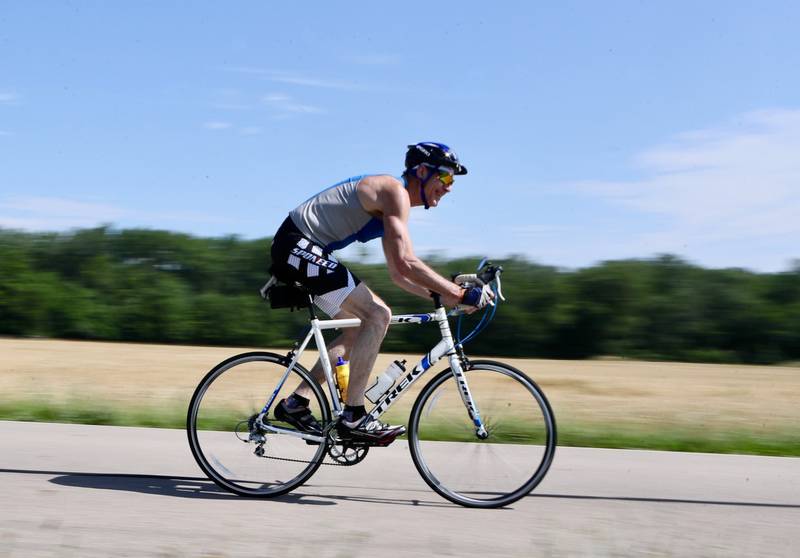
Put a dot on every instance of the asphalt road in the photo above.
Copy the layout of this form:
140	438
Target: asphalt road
85	491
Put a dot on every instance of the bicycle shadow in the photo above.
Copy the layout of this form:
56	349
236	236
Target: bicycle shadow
203	488
196	487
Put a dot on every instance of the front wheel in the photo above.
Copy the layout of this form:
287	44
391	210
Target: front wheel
489	471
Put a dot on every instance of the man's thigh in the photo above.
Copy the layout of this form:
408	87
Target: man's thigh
362	301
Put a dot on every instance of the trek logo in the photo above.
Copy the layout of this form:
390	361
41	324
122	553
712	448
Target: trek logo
404	383
412	320
466	395
322	262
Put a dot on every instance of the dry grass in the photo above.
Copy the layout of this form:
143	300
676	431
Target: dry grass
624	396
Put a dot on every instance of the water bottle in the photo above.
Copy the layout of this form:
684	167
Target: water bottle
342	377
385	380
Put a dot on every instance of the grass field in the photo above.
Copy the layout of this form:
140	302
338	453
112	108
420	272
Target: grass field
600	403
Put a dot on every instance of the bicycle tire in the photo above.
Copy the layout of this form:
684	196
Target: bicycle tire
219	426
521	427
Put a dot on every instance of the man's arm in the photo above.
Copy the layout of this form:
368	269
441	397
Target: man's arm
405	269
410	286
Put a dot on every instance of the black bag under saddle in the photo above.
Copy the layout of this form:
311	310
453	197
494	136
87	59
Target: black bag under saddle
286	295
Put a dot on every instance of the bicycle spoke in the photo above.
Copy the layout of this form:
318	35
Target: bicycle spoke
499	469
251	461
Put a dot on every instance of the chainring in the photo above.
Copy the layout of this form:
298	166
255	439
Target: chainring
347	454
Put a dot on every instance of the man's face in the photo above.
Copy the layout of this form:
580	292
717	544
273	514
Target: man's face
439	185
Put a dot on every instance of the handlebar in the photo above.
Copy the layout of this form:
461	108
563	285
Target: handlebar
491	273
486	274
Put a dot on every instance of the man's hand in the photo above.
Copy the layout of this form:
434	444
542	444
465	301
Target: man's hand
475	298
478	297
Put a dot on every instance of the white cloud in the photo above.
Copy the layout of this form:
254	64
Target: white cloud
730	183
276	98
312	82
243	130
285	105
4	133
8	98
293	78
55	214
216	125
43	213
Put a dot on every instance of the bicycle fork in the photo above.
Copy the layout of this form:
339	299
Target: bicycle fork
466	397
457	358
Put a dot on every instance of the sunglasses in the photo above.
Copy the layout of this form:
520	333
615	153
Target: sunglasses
445	176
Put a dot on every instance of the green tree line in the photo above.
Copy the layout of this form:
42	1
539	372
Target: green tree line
160	286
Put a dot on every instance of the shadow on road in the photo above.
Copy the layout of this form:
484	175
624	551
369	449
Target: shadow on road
664	500
200	487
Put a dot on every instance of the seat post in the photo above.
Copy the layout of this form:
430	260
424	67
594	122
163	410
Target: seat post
311	311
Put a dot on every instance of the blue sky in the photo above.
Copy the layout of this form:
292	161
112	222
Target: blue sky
592	131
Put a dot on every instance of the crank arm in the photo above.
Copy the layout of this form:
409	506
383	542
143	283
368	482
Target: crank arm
291	432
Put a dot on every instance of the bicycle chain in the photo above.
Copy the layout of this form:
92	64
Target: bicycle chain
302	461
334	463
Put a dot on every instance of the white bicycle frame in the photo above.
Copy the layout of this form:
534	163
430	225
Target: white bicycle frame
445	347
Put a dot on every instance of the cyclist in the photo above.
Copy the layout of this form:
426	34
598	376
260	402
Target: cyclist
360	209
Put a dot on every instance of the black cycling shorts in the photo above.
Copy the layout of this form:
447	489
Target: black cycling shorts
295	257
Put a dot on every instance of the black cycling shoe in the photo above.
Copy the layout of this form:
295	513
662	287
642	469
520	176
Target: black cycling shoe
368	431
299	417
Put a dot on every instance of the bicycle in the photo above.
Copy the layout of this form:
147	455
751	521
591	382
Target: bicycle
481	433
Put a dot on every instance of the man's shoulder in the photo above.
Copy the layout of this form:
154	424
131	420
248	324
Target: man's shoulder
380	186
382	181
381	192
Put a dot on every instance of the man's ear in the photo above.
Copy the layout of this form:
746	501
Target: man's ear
421	172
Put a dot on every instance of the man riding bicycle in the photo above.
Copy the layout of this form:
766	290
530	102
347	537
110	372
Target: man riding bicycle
363	208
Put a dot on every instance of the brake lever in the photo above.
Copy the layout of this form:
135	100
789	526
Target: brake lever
499	287
490	273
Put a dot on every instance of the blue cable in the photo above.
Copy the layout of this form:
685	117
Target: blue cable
486	318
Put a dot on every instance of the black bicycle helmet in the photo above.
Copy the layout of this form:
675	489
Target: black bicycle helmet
435	154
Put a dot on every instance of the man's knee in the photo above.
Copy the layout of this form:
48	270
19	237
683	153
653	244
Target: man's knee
367	306
378	314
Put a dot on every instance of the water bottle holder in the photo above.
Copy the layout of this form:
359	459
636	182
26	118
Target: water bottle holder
388	379
370	392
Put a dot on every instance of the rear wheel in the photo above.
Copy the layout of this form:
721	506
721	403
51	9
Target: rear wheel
490	472
223	436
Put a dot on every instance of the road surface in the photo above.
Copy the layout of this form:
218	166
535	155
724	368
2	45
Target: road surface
97	491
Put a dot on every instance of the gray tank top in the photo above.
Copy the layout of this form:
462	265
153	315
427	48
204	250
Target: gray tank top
334	218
